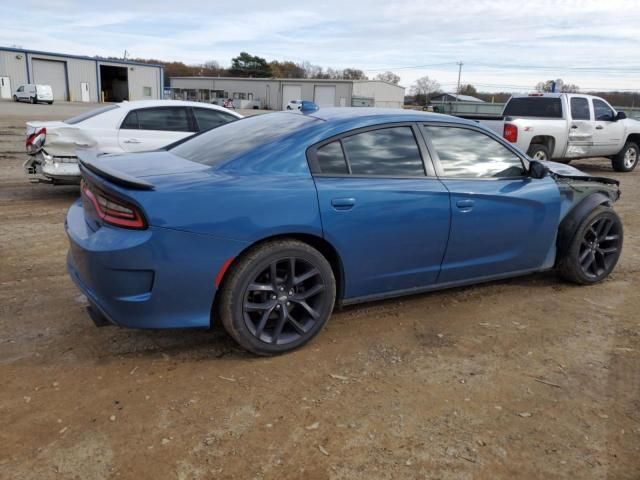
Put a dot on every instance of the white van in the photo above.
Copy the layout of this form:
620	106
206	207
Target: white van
34	93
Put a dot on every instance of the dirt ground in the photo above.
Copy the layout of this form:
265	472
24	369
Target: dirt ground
526	378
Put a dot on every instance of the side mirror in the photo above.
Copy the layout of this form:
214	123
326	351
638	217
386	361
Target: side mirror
620	116
537	169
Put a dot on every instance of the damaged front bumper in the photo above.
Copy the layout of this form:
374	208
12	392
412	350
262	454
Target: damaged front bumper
45	168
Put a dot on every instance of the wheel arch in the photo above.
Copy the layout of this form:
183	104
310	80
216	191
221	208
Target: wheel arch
633	137
546	140
571	221
319	243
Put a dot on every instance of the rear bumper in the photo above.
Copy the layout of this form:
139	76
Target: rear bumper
44	168
154	278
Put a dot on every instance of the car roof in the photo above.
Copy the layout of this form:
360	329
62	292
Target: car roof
374	115
172	103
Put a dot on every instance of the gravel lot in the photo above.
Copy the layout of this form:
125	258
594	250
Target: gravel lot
526	378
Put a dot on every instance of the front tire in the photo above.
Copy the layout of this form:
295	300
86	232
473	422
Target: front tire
539	152
15	98
277	297
627	159
34	100
595	248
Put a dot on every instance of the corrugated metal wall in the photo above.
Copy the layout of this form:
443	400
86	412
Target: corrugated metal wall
18	66
13	67
78	71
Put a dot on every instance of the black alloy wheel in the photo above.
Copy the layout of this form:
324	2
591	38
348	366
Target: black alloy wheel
277	296
595	248
283	302
600	247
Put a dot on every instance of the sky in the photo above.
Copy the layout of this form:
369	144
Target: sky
505	45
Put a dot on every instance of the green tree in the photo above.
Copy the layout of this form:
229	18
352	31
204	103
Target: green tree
246	65
286	69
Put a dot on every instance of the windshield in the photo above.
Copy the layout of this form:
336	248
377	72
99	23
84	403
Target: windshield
232	139
543	107
90	114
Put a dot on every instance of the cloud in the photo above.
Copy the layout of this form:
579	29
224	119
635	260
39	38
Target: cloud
502	42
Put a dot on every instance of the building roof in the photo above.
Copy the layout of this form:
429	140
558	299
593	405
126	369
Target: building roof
462	98
79	57
264	79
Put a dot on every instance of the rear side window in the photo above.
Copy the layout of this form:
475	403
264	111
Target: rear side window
170	119
470	154
543	107
209	118
131	121
386	152
580	109
87	115
602	111
331	159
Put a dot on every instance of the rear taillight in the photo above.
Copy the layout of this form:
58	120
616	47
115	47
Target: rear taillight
113	210
35	141
510	132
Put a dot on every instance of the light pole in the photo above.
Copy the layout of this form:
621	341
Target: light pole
459	75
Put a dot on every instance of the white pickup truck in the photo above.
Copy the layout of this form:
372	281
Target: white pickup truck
564	126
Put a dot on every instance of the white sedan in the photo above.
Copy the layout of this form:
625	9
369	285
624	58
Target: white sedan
118	128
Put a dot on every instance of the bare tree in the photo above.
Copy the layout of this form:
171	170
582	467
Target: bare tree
388	77
560	86
424	88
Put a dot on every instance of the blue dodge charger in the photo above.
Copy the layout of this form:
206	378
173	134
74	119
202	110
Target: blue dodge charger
267	223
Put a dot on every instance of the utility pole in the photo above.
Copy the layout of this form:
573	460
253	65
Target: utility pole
459	74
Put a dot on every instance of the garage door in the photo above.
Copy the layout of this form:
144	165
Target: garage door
325	96
51	72
290	92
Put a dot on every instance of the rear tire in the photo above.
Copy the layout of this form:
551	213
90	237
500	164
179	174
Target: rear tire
539	152
277	296
627	158
595	248
50	103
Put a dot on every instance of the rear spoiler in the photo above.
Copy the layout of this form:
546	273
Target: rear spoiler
88	160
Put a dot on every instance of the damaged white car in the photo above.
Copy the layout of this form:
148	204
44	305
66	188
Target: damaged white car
119	128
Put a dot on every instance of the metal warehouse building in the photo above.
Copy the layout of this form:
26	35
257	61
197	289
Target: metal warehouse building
275	93
79	79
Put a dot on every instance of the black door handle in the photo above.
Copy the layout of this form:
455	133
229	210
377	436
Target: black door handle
599	127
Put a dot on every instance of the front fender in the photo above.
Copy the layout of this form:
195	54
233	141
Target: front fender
571	221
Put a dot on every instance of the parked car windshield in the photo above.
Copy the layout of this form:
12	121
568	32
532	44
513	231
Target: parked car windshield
232	139
543	107
85	116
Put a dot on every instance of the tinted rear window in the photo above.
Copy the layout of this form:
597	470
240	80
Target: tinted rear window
215	146
87	115
543	107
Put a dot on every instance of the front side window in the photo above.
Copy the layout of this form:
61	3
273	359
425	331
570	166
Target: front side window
170	119
208	118
602	111
468	153
580	109
385	151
